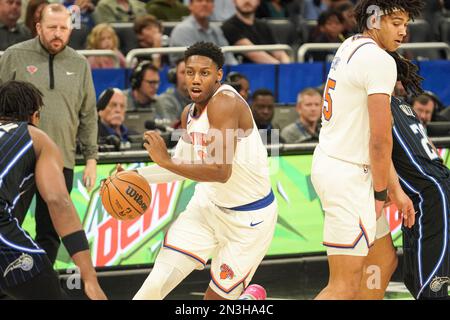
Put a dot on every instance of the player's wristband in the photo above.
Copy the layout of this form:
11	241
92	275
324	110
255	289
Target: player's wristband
75	242
380	195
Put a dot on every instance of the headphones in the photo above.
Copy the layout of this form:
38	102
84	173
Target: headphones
233	76
104	98
172	73
138	73
232	79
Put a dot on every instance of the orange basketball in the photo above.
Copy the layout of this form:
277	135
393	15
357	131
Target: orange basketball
126	195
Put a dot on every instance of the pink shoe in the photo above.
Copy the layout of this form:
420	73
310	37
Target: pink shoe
254	292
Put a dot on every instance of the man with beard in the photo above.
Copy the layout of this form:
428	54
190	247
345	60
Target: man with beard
243	29
69	111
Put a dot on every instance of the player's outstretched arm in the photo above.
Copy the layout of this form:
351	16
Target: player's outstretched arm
380	144
404	204
183	150
51	185
223	116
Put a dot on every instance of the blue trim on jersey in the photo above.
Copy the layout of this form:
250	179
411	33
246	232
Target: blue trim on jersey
20	248
25	179
419	242
15	144
357	48
258	204
444	204
14	160
10	209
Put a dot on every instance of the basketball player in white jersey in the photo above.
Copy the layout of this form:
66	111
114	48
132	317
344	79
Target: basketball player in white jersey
352	169
232	215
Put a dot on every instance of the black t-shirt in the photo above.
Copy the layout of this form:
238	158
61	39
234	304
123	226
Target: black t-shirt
259	33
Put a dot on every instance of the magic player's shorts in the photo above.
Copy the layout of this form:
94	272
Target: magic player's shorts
346	193
426	255
236	239
20	257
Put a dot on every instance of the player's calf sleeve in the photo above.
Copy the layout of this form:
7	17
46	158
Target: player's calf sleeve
161	281
164	276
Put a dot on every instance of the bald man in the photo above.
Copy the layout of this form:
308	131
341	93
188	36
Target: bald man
69	110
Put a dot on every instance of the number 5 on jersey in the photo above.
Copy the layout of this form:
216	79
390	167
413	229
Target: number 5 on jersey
328	101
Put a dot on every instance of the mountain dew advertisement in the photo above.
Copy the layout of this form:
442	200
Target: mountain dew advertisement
137	242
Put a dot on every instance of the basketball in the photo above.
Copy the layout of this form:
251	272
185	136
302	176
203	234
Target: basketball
126	195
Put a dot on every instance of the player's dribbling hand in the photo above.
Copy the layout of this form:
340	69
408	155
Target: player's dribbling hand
119	168
156	147
93	290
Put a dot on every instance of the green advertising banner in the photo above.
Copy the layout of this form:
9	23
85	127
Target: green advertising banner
125	243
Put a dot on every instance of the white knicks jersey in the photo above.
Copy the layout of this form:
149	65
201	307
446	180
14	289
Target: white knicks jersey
249	179
359	69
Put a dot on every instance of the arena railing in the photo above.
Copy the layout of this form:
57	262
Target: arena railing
307	47
130	156
98	53
134	53
101	53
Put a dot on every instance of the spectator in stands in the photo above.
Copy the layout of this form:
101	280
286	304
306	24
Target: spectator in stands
86	11
196	28
244	29
103	37
33	14
64	78
426	107
223	10
111	107
307	127
148	31
313	8
110	11
144	82
167	10
329	30
263	109
346	10
171	103
240	82
272	9
11	32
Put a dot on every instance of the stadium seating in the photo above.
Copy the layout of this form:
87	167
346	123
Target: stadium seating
78	38
445	30
419	31
284	31
126	35
285	115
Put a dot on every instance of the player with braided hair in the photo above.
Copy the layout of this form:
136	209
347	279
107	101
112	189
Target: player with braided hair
426	180
356	142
